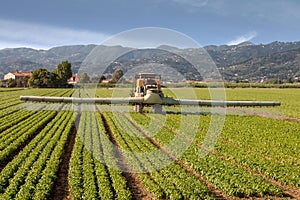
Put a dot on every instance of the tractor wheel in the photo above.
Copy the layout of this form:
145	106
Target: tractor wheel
138	108
157	108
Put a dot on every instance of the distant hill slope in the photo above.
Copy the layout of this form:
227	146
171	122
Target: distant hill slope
237	62
283	66
26	59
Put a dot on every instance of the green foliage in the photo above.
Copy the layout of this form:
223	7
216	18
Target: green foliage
17	137
32	172
249	148
225	175
40	78
23	81
64	72
168	182
11	82
58	78
94	164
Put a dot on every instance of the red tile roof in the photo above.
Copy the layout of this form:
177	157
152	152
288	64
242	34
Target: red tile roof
22	73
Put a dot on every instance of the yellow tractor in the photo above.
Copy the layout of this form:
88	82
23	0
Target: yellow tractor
148	86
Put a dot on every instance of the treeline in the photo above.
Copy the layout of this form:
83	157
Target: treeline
41	77
58	78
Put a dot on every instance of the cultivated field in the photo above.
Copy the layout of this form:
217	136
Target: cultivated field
51	151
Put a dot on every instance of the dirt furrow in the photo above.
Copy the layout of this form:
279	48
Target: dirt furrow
134	183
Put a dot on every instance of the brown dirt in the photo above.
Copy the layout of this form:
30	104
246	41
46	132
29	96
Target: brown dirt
134	182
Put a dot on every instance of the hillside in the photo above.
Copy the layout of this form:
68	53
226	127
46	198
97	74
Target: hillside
282	66
245	61
26	59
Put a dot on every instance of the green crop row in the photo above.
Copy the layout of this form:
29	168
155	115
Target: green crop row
26	175
268	150
164	178
94	172
11	120
18	138
246	145
45	167
223	174
46	182
275	138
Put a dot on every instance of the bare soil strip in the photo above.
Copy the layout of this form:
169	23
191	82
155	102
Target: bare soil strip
134	183
217	193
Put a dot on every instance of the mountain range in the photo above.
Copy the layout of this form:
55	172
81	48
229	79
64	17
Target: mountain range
242	62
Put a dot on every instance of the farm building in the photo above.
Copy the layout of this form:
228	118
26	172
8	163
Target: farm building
17	75
21	78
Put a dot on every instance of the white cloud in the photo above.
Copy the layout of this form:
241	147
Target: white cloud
244	38
18	34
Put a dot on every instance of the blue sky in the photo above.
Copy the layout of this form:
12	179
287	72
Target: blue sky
45	24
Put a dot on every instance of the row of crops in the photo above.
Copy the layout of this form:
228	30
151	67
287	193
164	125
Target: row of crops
121	155
221	173
94	171
32	144
266	152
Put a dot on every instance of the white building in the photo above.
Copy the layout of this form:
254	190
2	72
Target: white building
17	75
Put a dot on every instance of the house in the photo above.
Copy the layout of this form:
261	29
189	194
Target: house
21	78
73	79
17	75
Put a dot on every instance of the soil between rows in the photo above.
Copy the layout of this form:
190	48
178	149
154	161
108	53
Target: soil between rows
133	181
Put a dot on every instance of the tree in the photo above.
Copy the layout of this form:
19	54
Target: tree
117	75
84	78
64	72
54	80
23	81
11	83
40	78
57	78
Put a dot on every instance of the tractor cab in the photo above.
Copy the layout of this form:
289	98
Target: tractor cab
148	86
147	83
